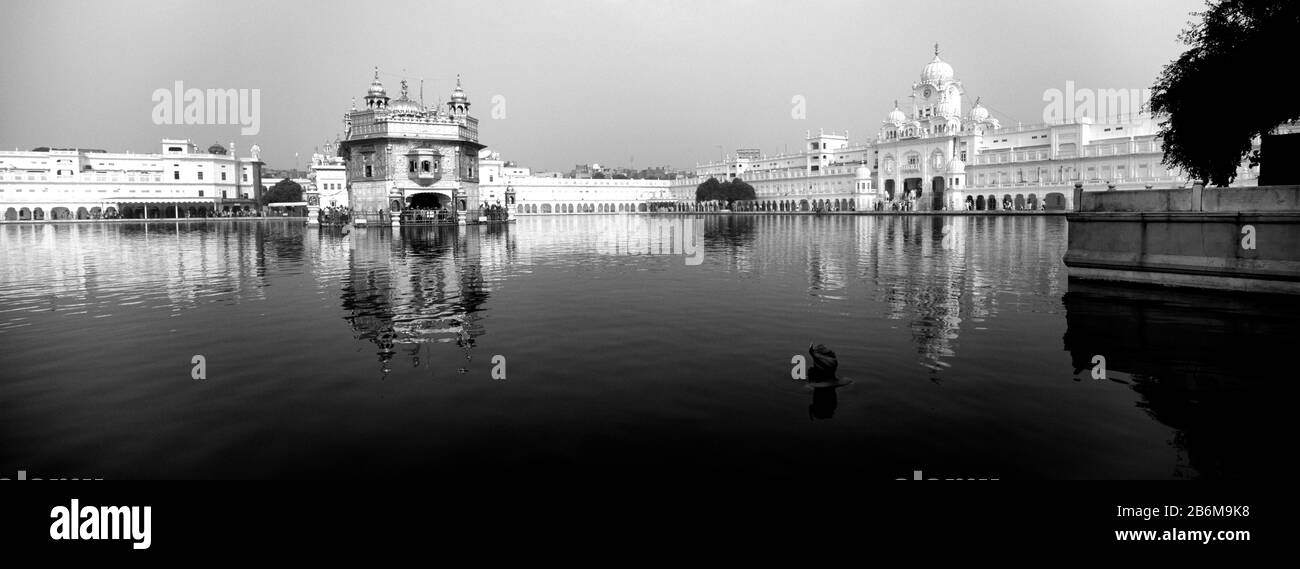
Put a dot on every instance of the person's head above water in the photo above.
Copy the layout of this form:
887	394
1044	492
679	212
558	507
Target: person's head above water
824	363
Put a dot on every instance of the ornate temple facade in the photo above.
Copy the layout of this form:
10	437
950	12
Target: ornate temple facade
401	154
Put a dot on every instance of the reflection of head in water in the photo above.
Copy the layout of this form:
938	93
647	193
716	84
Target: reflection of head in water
824	380
823	404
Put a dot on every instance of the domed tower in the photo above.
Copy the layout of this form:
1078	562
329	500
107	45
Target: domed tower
217	148
937	72
864	196
956	171
376	97
458	106
978	113
896	117
938	97
892	127
980	118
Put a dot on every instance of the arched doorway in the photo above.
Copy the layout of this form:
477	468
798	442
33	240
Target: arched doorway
11	214
979	203
889	190
936	193
24	214
1020	201
1033	202
429	200
804	206
83	213
912	190
1054	201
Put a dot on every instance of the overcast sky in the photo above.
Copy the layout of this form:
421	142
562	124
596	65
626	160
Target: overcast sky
619	83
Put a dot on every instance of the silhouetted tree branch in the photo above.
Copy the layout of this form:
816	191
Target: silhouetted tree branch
1239	52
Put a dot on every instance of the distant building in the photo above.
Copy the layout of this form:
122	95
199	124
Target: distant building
549	193
177	182
329	179
940	155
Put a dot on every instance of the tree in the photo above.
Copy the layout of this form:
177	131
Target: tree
739	190
1208	126
730	192
709	190
285	190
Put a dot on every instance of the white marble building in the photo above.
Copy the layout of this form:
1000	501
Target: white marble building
935	153
179	181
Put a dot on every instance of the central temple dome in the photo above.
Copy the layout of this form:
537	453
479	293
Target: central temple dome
937	71
403	105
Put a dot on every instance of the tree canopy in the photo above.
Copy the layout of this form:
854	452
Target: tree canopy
285	190
730	192
1208	124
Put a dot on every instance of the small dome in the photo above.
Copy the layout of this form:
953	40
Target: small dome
956	166
978	113
937	71
376	88
863	172
458	95
896	116
217	149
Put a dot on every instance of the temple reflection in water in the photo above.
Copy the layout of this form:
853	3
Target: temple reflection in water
403	289
965	350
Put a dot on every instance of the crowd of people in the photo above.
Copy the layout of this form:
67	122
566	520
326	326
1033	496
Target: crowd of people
427	214
238	213
336	215
495	212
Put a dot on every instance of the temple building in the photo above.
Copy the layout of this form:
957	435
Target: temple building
401	154
935	153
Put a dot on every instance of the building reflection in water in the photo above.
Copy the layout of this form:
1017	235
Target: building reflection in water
176	265
936	274
1208	365
404	289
